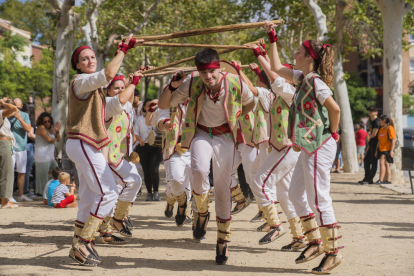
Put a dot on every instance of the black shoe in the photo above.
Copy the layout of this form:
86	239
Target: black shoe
169	213
200	230
302	258
379	182
149	197
128	222
181	215
363	182
124	231
221	259
259	217
386	182
156	197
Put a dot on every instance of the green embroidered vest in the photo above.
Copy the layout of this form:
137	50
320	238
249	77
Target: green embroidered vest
260	134
232	106
279	122
170	137
117	128
246	127
308	120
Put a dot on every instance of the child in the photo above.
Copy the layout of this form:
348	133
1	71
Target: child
62	197
51	186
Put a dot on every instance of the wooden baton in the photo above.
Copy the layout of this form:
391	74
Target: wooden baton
188	69
191	45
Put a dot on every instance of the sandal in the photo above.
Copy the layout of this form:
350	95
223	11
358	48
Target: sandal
115	239
81	261
128	222
300	244
221	259
200	230
9	205
320	270
124	231
302	257
169	213
269	237
263	228
180	217
258	217
90	251
244	204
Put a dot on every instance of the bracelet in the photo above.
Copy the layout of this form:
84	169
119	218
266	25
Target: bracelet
273	37
256	52
135	80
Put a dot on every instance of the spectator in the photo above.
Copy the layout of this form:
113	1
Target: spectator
29	108
62	197
338	156
137	105
360	137
7	141
46	136
51	186
370	161
385	148
150	156
20	126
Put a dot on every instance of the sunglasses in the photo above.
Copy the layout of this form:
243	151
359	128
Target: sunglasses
46	122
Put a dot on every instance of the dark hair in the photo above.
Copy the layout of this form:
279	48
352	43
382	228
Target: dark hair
78	71
145	102
136	92
266	79
55	172
206	55
361	125
325	63
112	82
29	108
387	120
372	108
39	121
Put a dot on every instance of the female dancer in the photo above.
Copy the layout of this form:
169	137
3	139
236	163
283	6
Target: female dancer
313	122
88	109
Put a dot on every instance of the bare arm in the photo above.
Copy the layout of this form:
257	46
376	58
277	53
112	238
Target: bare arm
12	109
27	127
41	130
148	118
166	95
334	113
128	93
252	88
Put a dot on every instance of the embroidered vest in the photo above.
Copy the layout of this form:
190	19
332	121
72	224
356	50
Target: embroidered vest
260	134
85	120
308	120
246	126
118	131
232	106
170	137
279	121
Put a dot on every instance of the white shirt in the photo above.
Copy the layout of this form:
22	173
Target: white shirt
85	84
165	114
5	128
265	97
284	89
141	129
212	114
322	91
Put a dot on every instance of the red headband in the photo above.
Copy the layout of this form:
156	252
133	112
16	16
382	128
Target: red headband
288	65
205	66
309	49
76	54
116	79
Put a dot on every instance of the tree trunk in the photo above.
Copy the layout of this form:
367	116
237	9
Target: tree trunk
320	19
91	33
67	25
349	152
392	15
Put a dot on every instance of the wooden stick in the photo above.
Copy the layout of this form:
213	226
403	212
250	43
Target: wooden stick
211	30
190	45
187	69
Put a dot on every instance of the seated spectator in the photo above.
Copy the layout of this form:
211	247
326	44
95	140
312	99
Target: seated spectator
385	148
51	186
62	197
46	135
360	138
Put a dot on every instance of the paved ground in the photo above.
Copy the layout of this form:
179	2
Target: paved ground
377	228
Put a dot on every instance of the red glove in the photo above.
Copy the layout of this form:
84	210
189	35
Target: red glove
135	80
273	36
170	87
256	52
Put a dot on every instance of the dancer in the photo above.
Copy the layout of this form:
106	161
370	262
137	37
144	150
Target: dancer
88	109
216	100
117	154
313	121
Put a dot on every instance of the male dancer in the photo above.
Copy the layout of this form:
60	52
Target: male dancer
216	101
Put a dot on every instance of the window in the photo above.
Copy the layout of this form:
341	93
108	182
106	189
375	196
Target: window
412	38
412	65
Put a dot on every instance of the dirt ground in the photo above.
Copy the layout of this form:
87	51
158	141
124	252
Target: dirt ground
377	228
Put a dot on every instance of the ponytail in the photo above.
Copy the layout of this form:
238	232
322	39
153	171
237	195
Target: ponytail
391	122
323	59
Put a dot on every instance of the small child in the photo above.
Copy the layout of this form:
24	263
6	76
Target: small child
51	186
62	197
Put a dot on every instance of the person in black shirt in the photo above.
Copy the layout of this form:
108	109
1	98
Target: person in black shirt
370	161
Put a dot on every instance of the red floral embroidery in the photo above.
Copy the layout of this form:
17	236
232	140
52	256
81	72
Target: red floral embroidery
279	109
174	126
247	117
238	114
257	113
308	106
118	129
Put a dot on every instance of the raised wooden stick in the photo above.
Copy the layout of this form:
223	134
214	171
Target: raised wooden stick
211	30
190	45
187	69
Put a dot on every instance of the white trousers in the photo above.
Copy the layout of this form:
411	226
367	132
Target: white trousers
220	149
128	180
311	182
178	174
244	155
275	173
97	188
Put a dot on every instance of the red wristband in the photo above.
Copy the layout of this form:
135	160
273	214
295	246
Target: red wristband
123	47
236	66
256	52
259	75
135	80
166	120
264	48
131	43
150	108
257	71
273	36
335	135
